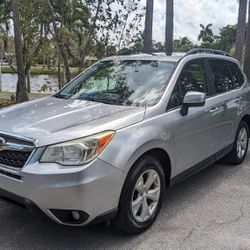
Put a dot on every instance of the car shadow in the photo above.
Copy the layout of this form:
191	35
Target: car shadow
18	229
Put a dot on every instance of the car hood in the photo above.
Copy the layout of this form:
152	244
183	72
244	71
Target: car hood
50	120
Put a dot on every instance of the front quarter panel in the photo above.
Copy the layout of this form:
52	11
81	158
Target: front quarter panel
130	143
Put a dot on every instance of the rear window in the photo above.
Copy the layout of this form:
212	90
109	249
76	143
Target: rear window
222	76
238	77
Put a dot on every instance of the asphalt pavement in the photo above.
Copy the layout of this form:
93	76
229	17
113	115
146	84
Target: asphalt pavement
207	211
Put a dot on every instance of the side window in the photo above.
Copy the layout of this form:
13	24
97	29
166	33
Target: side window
238	77
222	76
192	78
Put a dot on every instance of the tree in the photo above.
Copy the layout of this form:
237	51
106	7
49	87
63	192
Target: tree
21	91
98	28
169	27
247	51
148	33
206	34
226	39
241	31
60	42
5	17
183	44
34	30
126	24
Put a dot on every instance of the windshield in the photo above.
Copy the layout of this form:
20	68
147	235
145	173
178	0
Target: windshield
122	82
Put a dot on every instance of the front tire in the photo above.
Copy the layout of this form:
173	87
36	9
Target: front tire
240	147
142	196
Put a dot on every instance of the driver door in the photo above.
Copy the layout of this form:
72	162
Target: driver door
194	137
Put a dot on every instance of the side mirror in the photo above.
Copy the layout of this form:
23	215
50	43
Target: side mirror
192	99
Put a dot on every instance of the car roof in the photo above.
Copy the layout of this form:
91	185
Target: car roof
176	56
173	59
144	57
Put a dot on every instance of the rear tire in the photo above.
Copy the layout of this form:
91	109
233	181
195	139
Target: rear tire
240	147
142	196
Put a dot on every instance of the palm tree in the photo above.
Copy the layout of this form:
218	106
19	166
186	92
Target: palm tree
169	27
247	51
241	31
148	26
206	33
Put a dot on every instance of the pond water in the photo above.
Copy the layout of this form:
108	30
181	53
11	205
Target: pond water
39	83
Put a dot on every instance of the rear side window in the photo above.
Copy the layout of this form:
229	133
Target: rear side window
238	77
192	78
222	76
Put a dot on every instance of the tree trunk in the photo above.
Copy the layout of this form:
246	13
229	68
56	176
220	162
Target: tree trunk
1	59
247	51
5	44
6	38
28	81
241	31
169	27
21	91
59	74
60	44
148	33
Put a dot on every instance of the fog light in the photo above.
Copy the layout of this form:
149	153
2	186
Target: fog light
76	215
70	216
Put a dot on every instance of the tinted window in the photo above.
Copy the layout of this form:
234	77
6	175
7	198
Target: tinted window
222	76
123	82
192	78
237	75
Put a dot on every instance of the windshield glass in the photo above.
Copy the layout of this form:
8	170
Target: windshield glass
121	82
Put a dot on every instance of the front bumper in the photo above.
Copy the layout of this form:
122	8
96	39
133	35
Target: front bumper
93	189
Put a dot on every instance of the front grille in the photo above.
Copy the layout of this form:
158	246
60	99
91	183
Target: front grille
14	152
16	159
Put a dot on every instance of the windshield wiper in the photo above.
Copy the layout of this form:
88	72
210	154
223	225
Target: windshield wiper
105	101
58	95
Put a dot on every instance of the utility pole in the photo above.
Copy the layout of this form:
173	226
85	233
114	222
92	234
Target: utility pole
169	34
148	34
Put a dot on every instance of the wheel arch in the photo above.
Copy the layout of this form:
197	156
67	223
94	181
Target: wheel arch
246	118
164	159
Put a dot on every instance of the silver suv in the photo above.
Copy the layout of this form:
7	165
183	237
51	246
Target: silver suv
108	144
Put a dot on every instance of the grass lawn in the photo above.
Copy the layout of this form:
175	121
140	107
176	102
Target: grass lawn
37	70
5	103
5	98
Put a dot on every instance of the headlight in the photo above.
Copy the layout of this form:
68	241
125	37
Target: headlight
77	152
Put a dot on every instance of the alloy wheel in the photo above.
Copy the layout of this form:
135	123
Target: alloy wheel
242	142
146	195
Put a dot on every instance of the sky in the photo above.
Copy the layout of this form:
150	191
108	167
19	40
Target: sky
189	14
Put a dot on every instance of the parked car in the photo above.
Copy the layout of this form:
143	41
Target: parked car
108	144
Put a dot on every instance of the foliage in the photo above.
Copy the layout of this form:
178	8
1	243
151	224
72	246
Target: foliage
206	33
226	39
183	44
5	17
40	70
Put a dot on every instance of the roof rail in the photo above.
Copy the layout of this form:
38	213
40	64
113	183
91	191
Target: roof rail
137	51
207	51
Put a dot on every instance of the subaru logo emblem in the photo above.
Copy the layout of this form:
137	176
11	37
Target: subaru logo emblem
2	142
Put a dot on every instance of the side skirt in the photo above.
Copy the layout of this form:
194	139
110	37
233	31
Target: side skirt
200	166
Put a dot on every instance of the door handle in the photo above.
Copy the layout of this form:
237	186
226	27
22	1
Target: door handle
213	110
